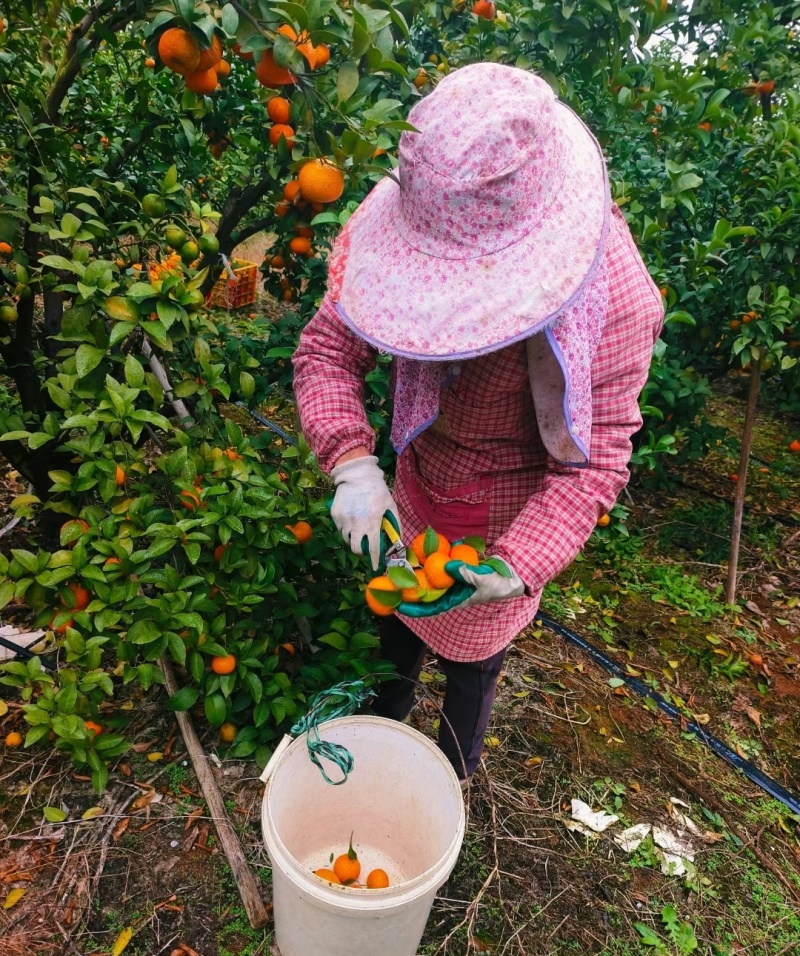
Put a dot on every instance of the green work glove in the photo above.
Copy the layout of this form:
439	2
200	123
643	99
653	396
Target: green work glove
475	584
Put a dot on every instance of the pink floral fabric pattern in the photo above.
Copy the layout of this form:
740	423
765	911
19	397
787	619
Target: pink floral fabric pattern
493	228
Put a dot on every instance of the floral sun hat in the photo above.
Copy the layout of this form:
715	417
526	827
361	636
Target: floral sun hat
495	232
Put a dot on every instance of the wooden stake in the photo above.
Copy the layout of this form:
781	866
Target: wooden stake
249	888
741	483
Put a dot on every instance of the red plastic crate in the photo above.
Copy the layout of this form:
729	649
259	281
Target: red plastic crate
234	293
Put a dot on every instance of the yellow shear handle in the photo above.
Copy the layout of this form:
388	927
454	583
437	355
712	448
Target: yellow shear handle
390	531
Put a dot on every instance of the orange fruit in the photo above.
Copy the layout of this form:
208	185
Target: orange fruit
277	262
300	245
305	231
413	595
111	561
278	108
346	866
420	79
150	63
179	51
465	553
321	181
484	8
382	583
377	880
286	284
189	500
706	126
287	295
291	190
663	290
418	546
794	446
82	596
282	208
96	729
14	739
302	43
219	551
223	665
734	325
302	531
62	628
323	54
281	129
604	521
328	875
202	82
210	57
268	73
223	68
5	249
228	732
435	572
756	660
237	51
119	477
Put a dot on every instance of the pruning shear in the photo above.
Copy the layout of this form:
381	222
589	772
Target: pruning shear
394	555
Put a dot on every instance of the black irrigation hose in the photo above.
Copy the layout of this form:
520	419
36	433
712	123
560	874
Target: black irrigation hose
268	424
25	654
772	787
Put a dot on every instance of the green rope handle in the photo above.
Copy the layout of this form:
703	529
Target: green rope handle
341	700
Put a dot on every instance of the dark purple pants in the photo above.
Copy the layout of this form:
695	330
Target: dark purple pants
468	696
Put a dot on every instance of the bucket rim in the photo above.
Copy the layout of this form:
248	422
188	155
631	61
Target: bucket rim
398	894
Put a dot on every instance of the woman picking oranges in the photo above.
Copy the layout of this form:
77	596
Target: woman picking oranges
506	285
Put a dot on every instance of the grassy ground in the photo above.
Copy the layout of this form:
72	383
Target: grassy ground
525	883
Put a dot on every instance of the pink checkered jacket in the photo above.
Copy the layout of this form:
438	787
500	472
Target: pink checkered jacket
540	512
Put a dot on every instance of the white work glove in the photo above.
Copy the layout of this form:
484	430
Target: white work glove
361	500
490	587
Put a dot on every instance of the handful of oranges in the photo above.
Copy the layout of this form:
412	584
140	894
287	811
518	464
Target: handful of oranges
429	554
346	869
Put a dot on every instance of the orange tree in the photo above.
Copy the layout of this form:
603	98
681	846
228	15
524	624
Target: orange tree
157	527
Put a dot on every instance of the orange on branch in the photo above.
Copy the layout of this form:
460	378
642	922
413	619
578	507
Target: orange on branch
268	73
179	51
485	9
300	246
93	727
291	190
278	109
281	130
321	181
210	57
119	477
203	82
225	664
223	68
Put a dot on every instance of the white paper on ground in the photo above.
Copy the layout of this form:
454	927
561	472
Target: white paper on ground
630	839
20	638
598	822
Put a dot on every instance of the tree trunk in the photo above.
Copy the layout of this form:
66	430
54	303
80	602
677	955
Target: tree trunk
741	482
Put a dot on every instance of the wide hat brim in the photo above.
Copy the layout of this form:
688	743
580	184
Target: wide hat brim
414	304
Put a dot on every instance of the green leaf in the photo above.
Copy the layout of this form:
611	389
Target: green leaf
430	543
120	331
59	262
247	384
401	577
185	698
215	709
230	19
496	564
347	80
334	640
54	814
87	358
122	309
144	632
170	178
134	373
475	541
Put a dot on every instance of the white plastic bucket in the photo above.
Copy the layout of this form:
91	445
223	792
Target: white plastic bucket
404	805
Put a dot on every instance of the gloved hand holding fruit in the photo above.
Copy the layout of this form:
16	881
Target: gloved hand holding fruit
445	577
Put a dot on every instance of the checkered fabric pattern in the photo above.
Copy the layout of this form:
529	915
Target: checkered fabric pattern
541	513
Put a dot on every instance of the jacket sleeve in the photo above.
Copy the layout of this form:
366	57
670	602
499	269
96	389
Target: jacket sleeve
556	522
329	368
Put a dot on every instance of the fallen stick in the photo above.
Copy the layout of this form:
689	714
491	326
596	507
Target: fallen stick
245	881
